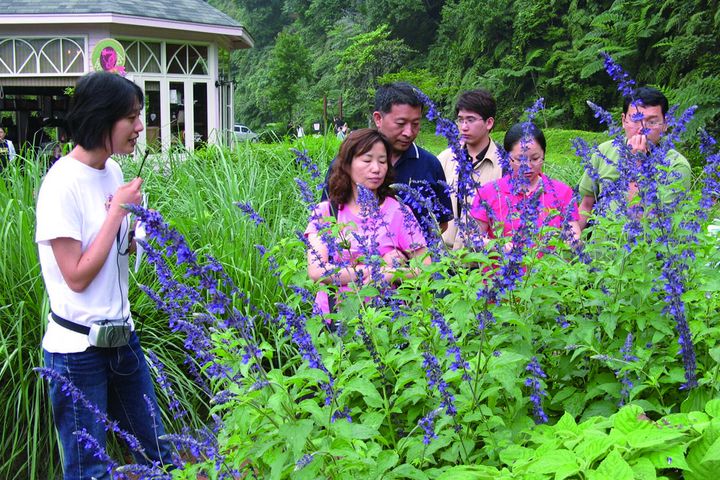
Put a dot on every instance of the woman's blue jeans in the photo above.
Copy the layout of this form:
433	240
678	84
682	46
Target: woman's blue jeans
116	380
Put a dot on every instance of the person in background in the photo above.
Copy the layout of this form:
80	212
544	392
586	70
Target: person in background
7	150
397	115
475	111
363	160
499	202
84	239
342	131
643	120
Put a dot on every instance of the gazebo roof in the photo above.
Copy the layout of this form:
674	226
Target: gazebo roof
170	12
192	11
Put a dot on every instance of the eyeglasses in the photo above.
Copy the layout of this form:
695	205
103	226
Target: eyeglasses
467	120
645	123
532	161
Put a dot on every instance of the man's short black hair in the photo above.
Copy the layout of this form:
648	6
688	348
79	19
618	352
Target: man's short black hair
647	97
100	100
479	101
398	93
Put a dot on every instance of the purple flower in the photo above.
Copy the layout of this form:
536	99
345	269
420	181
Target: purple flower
91	443
78	397
434	376
427	423
537	392
453	348
623	374
626	84
303	159
248	210
304	461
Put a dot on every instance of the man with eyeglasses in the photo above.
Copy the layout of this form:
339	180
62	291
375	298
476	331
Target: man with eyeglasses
643	120
475	111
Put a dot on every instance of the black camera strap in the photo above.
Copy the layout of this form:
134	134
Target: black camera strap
75	327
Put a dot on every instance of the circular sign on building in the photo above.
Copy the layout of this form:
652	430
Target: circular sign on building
108	56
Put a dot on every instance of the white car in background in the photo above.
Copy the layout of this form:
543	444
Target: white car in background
244	134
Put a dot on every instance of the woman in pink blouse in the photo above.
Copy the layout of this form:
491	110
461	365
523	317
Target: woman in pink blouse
363	162
499	203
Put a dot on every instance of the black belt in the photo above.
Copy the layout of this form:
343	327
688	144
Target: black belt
70	325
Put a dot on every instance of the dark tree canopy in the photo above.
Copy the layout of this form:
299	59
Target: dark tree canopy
519	49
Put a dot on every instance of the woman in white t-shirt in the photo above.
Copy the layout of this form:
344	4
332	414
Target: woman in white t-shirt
83	236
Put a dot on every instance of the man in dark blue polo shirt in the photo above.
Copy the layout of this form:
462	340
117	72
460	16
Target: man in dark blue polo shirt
397	115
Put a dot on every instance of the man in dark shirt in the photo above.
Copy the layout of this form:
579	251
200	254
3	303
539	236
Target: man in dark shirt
397	115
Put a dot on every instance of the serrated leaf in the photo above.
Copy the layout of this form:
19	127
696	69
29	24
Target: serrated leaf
608	320
353	431
643	469
713	408
697	451
615	467
386	460
631	418
648	438
556	461
594	445
367	389
713	452
469	472
296	433
408	471
671	457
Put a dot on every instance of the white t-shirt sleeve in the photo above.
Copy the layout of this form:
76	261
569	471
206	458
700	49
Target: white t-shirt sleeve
58	211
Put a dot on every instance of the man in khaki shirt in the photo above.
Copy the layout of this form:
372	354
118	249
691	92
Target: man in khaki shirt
475	110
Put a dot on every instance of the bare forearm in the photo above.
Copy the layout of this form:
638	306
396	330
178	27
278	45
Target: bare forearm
80	268
586	206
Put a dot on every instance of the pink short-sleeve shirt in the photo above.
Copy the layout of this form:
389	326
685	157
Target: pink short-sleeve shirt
396	229
496	202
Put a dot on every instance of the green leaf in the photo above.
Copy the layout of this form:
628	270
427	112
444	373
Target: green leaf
561	462
713	408
713	452
595	444
386	460
367	389
631	418
352	431
671	457
699	467
614	467
408	471
643	469
567	422
697	399
608	320
296	433
469	472
648	438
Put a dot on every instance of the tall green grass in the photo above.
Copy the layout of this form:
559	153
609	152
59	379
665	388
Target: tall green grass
195	192
27	440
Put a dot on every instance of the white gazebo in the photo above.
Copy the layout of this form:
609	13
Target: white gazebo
170	48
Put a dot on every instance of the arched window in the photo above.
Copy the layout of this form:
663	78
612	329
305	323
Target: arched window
142	57
33	56
187	59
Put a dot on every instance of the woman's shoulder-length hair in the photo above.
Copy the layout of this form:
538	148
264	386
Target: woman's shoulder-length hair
357	143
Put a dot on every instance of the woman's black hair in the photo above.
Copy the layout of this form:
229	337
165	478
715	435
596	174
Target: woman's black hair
100	100
520	130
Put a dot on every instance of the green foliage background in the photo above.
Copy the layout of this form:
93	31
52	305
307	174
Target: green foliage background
519	49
